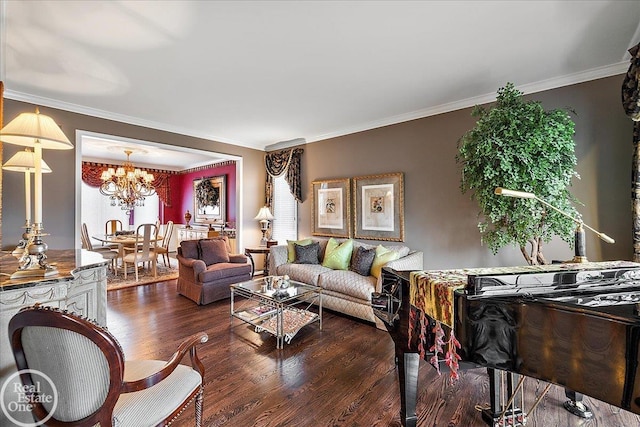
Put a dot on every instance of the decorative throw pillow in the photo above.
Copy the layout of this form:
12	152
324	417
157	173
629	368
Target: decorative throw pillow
362	260
214	251
291	253
190	249
337	255
383	256
307	254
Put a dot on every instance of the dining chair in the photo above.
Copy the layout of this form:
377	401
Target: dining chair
143	249
94	384
163	249
105	251
112	225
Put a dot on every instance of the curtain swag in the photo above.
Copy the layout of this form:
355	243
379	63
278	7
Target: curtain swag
631	105
287	162
91	173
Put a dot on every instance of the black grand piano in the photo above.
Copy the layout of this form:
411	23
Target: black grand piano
574	325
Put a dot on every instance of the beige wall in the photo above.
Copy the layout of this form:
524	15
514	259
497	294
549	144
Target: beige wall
439	219
59	187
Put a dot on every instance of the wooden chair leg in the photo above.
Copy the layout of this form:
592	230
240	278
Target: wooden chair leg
136	264
124	266
199	405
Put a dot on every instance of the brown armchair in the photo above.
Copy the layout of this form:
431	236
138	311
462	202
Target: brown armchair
206	269
93	383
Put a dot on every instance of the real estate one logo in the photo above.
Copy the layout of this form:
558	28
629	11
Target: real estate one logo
17	400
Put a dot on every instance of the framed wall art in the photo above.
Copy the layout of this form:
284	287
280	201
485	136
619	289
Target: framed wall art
209	197
331	212
379	207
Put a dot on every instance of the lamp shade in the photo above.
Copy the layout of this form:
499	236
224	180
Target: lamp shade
264	214
24	161
28	128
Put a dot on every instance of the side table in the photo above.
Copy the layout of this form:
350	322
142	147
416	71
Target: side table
258	250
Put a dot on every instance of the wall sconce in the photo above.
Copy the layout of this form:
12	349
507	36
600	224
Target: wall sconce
580	243
264	216
24	161
38	131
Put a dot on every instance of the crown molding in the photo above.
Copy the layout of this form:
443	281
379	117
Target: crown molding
74	108
593	74
571	79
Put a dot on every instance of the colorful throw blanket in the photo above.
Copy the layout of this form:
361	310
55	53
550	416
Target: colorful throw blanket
432	294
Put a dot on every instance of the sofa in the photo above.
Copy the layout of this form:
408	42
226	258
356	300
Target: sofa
346	285
206	268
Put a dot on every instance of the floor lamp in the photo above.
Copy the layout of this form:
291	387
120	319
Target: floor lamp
24	161
40	132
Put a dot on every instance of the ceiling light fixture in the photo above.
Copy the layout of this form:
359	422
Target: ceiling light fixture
127	186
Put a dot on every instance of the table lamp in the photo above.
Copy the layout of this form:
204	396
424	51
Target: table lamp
264	216
38	131
580	243
24	161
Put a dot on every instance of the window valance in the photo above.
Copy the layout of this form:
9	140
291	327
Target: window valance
91	173
284	162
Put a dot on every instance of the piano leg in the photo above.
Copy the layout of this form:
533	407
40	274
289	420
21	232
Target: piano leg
575	405
500	412
408	364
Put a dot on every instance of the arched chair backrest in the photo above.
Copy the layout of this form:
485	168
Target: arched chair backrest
83	360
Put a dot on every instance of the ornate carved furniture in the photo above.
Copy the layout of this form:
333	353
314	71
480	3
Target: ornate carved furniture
89	381
80	287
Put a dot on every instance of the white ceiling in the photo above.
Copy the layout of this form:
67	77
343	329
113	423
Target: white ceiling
253	73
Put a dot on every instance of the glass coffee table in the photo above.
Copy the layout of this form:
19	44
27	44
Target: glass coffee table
280	312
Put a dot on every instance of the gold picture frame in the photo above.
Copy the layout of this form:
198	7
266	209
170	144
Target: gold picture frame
331	211
379	207
205	190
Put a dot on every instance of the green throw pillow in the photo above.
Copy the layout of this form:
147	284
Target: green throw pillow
383	256
338	255
291	254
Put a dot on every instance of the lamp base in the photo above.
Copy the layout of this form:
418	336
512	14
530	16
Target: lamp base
33	262
579	260
35	271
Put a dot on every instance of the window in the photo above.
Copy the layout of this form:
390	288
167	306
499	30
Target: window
285	212
96	210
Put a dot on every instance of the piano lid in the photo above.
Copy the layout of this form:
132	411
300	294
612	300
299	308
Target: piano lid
532	280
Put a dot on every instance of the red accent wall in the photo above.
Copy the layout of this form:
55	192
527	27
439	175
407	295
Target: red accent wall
182	193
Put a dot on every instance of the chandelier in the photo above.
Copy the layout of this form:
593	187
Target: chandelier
127	186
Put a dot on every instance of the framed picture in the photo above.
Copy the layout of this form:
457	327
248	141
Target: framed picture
209	197
379	207
331	214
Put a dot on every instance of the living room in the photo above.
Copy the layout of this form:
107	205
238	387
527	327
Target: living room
439	219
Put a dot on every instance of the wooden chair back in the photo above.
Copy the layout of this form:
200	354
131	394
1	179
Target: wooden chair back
87	381
111	226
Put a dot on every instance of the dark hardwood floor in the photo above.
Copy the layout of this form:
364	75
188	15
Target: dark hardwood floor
343	375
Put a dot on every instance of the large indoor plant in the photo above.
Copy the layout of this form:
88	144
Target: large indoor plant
518	145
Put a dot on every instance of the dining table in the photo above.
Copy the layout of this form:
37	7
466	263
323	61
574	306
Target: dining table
124	241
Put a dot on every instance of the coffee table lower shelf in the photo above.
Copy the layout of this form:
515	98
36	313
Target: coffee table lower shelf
293	320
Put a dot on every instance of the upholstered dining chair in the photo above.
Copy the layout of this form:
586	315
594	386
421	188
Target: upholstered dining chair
163	249
93	382
143	249
106	252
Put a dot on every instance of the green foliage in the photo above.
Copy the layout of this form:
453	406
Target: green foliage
518	145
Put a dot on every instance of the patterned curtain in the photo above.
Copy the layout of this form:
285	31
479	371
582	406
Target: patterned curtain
288	162
91	173
631	105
